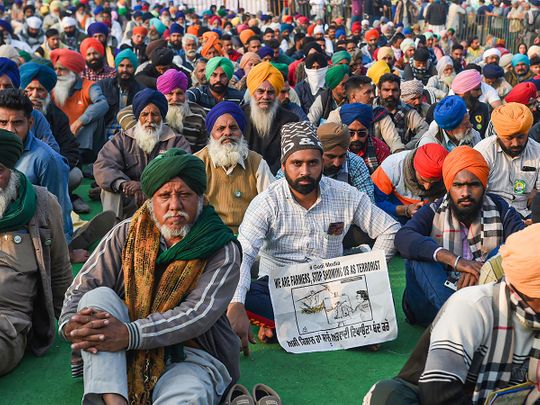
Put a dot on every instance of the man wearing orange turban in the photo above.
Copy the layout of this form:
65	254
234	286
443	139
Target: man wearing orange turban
211	46
96	69
446	242
514	159
245	35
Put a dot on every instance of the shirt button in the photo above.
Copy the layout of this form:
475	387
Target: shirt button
17	239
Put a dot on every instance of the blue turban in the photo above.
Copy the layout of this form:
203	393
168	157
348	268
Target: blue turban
176	29
158	25
6	26
126	54
225	107
286	27
492	71
98	28
340	32
449	112
356	112
98	10
9	68
519	58
147	96
265	51
179	14
35	71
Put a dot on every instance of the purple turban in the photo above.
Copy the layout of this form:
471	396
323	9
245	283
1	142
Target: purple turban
176	29
265	51
149	96
171	80
356	112
98	28
225	107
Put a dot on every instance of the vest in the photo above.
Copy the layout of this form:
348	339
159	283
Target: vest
231	194
78	102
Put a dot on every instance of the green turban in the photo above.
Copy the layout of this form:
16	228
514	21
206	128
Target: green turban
282	67
126	54
216	62
339	56
174	163
335	75
11	149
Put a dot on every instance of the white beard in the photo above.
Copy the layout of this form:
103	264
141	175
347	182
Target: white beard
175	116
169	233
63	87
147	139
229	154
262	119
44	102
9	193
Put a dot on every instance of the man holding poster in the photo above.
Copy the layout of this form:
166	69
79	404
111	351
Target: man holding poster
299	219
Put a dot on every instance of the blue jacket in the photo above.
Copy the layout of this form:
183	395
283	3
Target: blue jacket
413	240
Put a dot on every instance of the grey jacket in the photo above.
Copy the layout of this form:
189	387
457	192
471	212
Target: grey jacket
200	316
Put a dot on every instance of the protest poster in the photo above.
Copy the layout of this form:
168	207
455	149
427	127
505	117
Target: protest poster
334	304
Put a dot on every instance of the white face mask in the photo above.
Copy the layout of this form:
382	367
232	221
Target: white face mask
316	78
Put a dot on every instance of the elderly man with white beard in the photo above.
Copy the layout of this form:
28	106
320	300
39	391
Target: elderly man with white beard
122	159
235	174
264	114
184	117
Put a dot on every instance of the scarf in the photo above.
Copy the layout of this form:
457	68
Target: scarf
21	210
420	73
181	266
315	79
409	176
370	156
484	234
497	363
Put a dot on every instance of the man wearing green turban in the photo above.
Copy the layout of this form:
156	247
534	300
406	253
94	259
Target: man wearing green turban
219	71
332	97
179	265
31	261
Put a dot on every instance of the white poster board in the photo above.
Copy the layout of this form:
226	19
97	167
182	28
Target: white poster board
334	304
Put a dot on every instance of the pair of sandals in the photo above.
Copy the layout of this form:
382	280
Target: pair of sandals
261	395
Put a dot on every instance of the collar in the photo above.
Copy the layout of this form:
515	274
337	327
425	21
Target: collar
323	189
29	141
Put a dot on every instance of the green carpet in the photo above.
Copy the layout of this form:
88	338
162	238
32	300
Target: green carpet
340	377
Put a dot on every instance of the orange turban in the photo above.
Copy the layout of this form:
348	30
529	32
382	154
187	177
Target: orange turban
140	30
211	42
209	35
69	59
511	119
428	160
193	30
520	260
91	43
464	158
245	35
262	72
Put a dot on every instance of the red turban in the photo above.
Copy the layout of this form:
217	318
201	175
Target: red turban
464	158
69	59
521	93
140	30
356	26
428	161
91	43
372	34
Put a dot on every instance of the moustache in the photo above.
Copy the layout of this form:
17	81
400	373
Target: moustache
305	178
462	200
176	214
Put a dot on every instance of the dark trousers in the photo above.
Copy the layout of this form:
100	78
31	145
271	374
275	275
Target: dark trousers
259	305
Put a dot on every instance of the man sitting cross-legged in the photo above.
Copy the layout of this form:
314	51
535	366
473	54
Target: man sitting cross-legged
148	308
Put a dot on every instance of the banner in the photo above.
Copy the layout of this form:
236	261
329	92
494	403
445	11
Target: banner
334	304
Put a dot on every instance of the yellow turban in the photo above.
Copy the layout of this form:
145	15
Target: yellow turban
385	51
378	69
520	260
511	119
262	72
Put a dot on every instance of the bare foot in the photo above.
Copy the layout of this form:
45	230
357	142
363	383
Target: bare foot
78	255
265	334
114	399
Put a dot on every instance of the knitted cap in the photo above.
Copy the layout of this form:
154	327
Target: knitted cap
297	136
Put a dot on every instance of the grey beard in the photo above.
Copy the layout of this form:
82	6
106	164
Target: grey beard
175	116
169	233
227	155
9	193
63	87
262	119
44	103
147	140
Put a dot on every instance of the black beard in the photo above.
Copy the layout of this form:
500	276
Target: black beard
70	34
217	88
331	171
33	34
124	83
468	214
512	152
356	146
96	65
389	103
304	189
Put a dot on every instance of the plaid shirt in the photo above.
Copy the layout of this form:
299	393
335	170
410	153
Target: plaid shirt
202	96
284	233
107	73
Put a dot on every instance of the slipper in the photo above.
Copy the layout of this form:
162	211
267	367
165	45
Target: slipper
264	395
239	395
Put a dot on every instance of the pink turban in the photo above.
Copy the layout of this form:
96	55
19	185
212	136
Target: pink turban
171	80
466	81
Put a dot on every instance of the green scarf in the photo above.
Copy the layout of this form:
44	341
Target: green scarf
206	236
21	210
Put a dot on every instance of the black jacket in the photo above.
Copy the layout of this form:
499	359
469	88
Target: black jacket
59	122
109	87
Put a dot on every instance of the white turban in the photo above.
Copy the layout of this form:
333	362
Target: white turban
533	50
491	52
68	22
319	29
34	22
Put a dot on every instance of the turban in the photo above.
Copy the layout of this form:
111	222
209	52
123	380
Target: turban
378	69
296	136
466	81
88	43
140	31
533	50
356	112
283	69
176	29
6	26
464	158
411	89
162	57
493	71
449	112
428	161
171	80
147	96
153	45
245	35
443	63
262	72
11	70
520	260
335	75
286	27
126	54
372	34
98	28
339	56
265	51
506	60
34	71
512	118
318	29
34	22
340	32
384	51
219	61
97	10
211	42
11	148
68	22
428	35
209	35
225	107
247	57
174	163
158	25
519	58
315	57
356	26
491	52
421	55
8	51
193	30
521	93
406	44
333	134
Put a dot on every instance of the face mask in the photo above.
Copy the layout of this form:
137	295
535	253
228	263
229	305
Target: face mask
316	78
